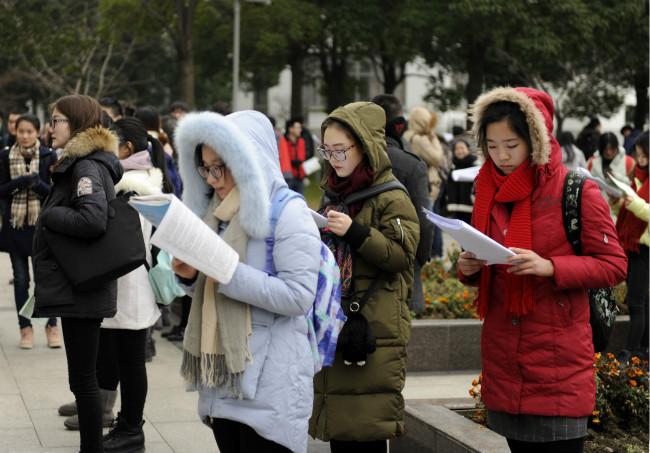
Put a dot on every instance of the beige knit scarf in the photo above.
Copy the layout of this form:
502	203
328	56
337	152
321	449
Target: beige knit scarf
215	347
25	203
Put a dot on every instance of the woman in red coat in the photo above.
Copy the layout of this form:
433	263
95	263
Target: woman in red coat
537	353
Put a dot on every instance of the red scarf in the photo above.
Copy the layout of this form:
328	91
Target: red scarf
630	227
515	188
360	178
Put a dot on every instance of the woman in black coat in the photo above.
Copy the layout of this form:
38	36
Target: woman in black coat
83	181
24	184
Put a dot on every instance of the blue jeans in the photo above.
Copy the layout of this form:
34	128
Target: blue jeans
20	265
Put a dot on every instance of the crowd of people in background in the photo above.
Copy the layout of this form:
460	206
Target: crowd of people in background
61	176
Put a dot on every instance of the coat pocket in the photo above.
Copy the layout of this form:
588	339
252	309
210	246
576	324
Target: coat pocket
51	288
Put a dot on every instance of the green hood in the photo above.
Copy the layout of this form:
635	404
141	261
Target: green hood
367	120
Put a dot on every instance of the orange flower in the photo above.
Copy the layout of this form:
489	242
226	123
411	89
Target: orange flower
596	421
475	382
632	383
595	413
611	356
635	360
597	356
472	393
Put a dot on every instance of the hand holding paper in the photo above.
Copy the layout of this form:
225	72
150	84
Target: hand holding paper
183	235
483	247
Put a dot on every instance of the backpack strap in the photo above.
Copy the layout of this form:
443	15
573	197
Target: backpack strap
280	199
374	190
571	208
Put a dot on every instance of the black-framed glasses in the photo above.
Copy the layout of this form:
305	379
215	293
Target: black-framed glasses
55	121
216	171
336	154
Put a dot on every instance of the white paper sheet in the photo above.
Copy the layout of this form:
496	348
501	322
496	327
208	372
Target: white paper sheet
627	190
604	185
311	165
465	174
472	240
321	221
183	235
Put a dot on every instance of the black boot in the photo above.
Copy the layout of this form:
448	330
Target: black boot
178	336
149	347
124	438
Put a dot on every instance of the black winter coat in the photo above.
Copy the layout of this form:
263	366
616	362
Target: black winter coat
411	171
19	241
83	184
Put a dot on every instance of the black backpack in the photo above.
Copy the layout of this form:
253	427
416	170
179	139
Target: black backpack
602	305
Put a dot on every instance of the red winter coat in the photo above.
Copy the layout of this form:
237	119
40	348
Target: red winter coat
542	363
292	155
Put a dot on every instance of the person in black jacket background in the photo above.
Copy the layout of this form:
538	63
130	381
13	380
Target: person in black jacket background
83	181
411	171
24	184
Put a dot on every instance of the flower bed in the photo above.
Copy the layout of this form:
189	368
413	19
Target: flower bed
445	297
619	423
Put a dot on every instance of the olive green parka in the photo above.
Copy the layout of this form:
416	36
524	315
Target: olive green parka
365	403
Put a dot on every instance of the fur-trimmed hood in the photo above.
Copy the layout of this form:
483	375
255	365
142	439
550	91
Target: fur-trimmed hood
421	121
243	140
142	182
92	139
537	106
95	143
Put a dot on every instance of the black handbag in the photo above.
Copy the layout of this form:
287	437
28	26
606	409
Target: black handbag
91	263
602	305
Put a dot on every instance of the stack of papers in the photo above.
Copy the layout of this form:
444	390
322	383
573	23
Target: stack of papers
472	240
183	235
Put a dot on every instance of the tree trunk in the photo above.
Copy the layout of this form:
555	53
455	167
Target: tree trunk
475	64
394	74
185	10
296	62
641	89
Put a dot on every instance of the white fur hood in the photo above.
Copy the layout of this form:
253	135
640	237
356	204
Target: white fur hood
242	141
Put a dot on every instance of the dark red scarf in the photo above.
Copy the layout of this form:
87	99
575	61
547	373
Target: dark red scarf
360	178
515	188
630	227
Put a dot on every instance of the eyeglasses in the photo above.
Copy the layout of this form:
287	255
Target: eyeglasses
336	154
55	121
216	171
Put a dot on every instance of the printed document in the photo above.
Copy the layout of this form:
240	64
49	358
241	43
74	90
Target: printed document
627	190
472	240
604	185
183	235
311	165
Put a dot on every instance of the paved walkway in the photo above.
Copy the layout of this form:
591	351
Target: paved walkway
34	383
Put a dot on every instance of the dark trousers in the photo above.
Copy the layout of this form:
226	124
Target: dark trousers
121	361
20	266
186	302
637	300
341	446
81	338
235	437
558	446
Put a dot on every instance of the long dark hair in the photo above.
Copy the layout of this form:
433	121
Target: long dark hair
499	111
607	140
132	130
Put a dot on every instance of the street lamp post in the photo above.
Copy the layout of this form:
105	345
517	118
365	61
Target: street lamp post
235	50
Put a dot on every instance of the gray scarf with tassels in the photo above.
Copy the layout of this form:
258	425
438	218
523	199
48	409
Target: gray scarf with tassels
215	347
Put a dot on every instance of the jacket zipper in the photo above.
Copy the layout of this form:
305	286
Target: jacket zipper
399	224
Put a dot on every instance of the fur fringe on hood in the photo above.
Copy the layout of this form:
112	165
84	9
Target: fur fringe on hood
240	156
536	105
90	140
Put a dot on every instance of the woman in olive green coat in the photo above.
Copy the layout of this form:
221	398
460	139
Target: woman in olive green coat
358	402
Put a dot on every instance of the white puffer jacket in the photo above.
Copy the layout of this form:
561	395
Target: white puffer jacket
136	303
